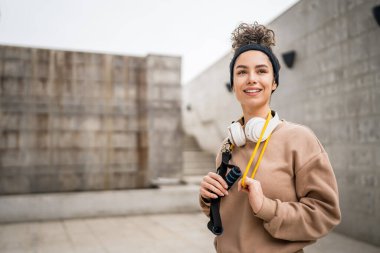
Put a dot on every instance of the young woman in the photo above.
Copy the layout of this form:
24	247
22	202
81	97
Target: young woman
292	199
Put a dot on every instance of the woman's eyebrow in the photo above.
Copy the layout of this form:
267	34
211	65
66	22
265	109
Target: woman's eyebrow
242	66
261	65
257	66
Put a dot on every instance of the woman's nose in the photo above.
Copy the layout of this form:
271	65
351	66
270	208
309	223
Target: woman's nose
252	77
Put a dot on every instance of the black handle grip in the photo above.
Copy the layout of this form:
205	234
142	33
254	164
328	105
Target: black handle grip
232	176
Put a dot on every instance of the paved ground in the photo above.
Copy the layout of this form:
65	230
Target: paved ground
135	234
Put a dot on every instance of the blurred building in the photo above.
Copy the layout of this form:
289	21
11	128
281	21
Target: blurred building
332	85
74	121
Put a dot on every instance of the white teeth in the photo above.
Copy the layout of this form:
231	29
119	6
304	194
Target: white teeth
252	91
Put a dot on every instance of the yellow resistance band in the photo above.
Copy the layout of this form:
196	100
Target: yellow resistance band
255	151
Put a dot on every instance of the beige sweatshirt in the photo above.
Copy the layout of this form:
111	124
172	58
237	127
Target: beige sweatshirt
301	196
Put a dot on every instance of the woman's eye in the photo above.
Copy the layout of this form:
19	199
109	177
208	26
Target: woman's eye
241	72
262	71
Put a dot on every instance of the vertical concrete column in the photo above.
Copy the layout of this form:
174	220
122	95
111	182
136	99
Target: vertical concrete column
139	73
164	132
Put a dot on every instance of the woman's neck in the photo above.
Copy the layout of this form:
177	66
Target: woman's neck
249	113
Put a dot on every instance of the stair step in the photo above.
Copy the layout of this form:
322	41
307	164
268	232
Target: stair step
197	156
194	180
200	170
196	163
196	172
190	143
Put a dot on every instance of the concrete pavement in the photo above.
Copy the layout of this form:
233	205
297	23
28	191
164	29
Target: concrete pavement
133	221
69	205
157	233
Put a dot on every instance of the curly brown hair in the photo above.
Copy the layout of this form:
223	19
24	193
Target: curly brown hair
254	33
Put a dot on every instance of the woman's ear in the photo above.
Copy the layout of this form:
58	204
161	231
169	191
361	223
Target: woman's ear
274	86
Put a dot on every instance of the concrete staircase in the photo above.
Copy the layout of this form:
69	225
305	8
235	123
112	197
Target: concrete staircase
196	163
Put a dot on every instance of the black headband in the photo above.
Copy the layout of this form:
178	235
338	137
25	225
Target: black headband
273	59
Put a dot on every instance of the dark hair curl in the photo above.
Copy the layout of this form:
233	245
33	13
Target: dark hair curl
254	33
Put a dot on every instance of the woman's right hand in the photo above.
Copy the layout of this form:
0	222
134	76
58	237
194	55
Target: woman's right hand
213	186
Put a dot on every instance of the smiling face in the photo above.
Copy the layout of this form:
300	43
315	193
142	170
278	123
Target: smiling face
253	81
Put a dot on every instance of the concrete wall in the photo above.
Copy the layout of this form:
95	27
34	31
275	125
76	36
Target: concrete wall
208	107
334	88
73	121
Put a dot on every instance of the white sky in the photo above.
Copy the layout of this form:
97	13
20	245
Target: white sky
197	30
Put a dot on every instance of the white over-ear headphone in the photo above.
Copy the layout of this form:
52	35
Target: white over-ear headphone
252	130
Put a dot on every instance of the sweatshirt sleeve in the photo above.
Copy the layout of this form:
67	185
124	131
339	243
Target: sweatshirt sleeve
317	210
205	206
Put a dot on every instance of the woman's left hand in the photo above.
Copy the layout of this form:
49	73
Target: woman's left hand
255	193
